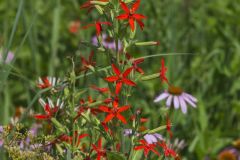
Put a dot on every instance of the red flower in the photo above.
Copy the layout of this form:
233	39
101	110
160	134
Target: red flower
74	26
83	108
49	110
114	112
163	71
135	65
87	63
89	6
147	147
120	78
101	152
169	127
98	26
101	90
167	151
69	139
131	16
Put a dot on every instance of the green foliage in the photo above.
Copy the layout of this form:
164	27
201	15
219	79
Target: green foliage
37	32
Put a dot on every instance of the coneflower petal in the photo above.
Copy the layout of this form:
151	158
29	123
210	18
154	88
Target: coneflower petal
176	102
161	97
169	101
183	104
189	101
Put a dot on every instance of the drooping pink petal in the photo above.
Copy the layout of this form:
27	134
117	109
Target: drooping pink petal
183	104
176	102
161	97
169	101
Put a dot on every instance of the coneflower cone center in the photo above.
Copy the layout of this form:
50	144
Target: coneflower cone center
226	155
175	90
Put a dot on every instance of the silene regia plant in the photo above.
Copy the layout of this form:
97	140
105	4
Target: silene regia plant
76	125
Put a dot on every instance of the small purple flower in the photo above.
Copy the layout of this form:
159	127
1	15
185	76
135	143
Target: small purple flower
8	59
179	98
127	132
153	138
1	140
107	41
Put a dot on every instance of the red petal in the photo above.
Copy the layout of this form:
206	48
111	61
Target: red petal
112	78
40	116
104	108
135	6
123	108
100	142
132	24
140	70
108	118
121	118
116	70
106	23
98	29
146	152
129	82
124	7
118	87
137	61
139	16
141	24
122	16
127	72
47	109
138	147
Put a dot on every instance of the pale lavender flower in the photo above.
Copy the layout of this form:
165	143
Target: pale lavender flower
107	41
8	59
1	140
176	96
153	138
127	132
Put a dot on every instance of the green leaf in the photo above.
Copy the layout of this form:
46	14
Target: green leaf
115	156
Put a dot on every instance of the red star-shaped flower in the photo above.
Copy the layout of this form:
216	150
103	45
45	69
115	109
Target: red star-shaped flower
120	78
114	112
101	152
147	147
131	16
87	63
163	71
98	26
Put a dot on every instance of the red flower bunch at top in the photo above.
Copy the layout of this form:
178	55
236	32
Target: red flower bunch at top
49	109
87	63
89	6
98	26
114	112
131	16
146	147
163	71
120	78
101	152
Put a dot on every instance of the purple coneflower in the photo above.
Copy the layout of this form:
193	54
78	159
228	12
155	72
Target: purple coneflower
229	153
178	97
107	41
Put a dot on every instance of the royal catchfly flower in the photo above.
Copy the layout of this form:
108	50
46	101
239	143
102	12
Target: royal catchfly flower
153	138
101	152
178	97
114	112
120	78
8	59
107	42
168	152
86	64
98	26
146	147
74	26
46	82
131	15
162	72
49	108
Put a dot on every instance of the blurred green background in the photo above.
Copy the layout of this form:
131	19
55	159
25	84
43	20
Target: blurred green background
210	30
